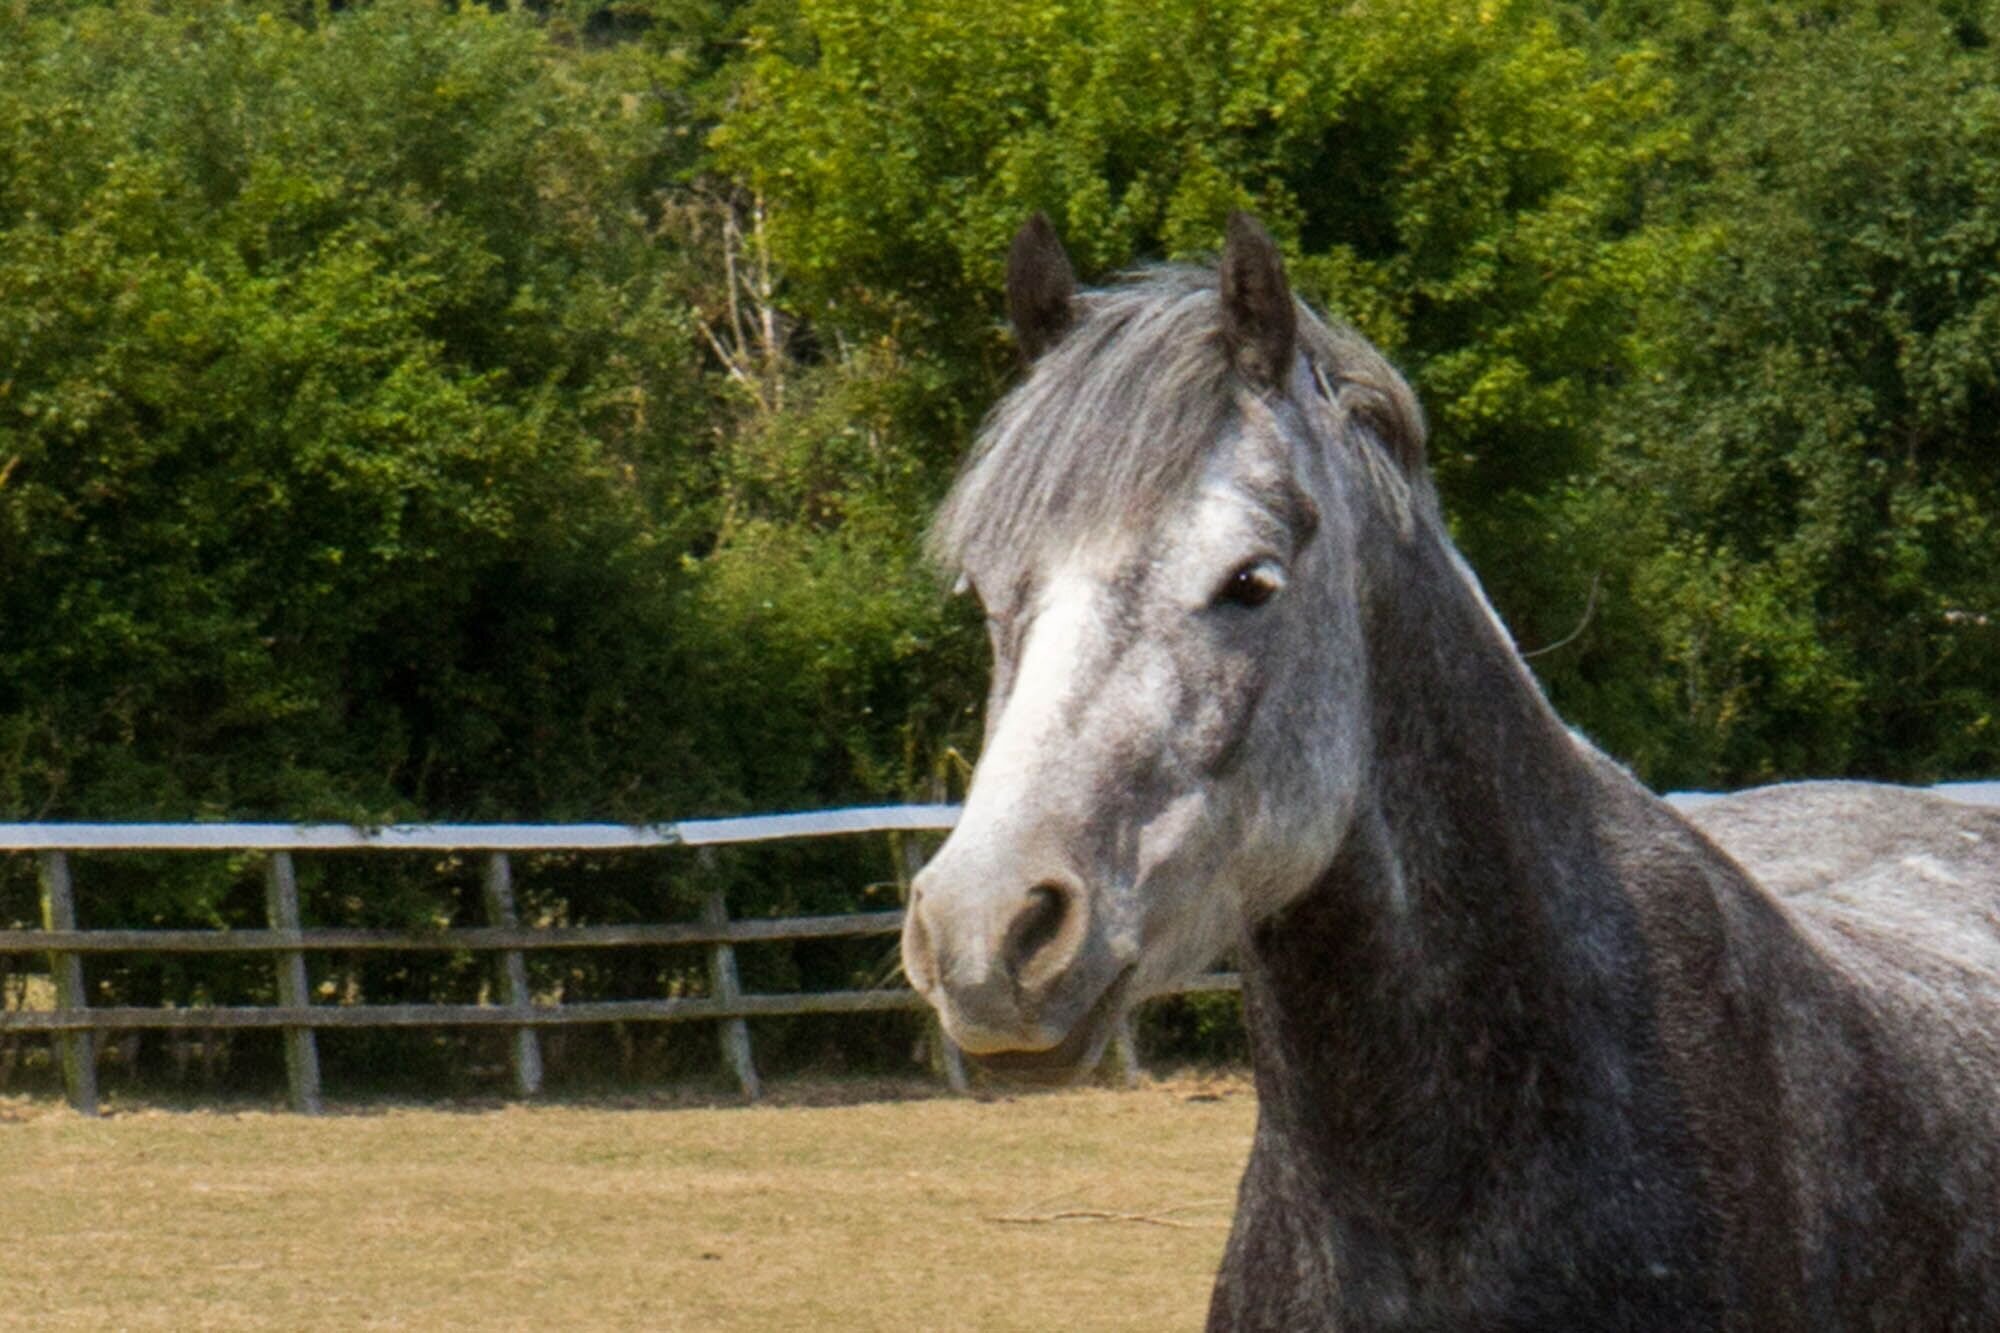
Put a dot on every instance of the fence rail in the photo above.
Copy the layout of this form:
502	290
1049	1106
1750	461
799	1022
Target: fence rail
448	939
81	837
73	1023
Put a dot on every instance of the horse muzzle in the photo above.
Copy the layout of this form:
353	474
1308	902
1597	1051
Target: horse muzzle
1022	982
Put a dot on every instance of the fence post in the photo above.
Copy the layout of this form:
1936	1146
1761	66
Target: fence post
525	1048
76	1051
947	1059
281	903
726	986
1127	1049
948	1056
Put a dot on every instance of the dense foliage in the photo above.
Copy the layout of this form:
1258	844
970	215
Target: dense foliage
1457	182
1806	475
346	411
426	410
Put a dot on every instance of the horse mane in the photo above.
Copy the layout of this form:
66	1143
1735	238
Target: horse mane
1112	426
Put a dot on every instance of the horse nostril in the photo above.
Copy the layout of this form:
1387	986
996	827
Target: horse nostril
1036	927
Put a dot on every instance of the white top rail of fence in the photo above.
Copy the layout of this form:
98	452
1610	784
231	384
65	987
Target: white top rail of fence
52	837
472	837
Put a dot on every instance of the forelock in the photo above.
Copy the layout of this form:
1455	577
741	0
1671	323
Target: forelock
1112	427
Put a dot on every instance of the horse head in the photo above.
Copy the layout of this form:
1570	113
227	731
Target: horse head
1165	523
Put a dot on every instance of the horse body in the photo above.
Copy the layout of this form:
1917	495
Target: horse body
1532	1049
1595	1076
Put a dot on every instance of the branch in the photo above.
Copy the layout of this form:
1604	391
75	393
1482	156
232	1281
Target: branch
1157	1218
728	360
1589	609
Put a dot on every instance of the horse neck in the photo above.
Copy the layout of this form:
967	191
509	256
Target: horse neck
1437	991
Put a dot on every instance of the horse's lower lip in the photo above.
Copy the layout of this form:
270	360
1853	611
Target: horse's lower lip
1075	1053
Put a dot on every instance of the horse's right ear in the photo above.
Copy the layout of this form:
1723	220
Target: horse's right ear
1041	287
1259	323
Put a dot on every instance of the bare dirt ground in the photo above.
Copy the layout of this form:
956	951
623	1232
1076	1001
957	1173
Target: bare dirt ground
838	1207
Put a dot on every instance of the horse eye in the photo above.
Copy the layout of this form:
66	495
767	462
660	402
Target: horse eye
1252	585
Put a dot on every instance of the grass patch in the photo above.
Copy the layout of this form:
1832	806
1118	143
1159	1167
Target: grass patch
837	1206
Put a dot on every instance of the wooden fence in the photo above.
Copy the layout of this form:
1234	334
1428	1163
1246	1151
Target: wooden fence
74	1024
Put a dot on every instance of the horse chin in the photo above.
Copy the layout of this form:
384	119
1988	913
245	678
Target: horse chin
1072	1058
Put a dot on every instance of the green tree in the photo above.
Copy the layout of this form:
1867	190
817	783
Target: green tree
349	406
1803	479
1458	180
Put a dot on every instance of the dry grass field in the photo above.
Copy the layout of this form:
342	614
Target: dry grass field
835	1209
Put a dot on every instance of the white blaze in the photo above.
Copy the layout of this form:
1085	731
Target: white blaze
1016	757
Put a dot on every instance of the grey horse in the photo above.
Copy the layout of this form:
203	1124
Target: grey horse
1533	1049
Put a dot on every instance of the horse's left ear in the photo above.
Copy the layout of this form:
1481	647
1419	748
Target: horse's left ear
1259	323
1041	287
